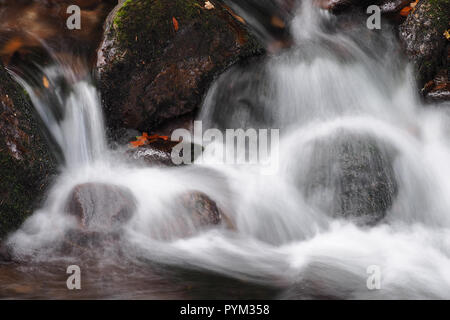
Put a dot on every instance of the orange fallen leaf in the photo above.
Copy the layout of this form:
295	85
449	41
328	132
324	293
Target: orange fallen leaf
405	11
136	144
45	82
146	139
141	140
175	24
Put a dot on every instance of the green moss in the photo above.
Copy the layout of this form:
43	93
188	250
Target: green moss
139	23
16	204
23	181
439	11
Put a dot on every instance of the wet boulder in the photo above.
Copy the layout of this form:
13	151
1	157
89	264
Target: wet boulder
351	177
190	213
156	153
423	37
26	163
202	210
151	156
159	57
99	206
159	152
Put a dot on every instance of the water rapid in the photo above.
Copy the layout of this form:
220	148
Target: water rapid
363	178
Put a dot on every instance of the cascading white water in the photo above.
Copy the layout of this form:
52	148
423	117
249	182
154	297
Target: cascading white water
331	85
73	119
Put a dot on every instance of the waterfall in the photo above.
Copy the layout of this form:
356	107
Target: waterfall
363	175
70	110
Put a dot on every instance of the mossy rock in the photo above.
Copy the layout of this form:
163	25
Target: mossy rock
159	57
26	164
424	39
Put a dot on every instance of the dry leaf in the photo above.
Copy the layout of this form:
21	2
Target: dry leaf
405	11
45	82
175	24
209	5
447	34
140	141
146	139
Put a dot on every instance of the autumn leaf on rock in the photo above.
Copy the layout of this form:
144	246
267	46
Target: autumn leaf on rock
175	24
406	10
146	139
140	141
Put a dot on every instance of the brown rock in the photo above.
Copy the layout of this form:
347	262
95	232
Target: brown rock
204	211
101	206
155	154
193	212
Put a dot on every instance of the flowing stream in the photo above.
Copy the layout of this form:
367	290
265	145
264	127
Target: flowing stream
363	180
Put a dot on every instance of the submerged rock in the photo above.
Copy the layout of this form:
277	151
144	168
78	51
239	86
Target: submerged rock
190	213
351	177
159	57
203	211
100	206
423	36
78	242
26	163
159	152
